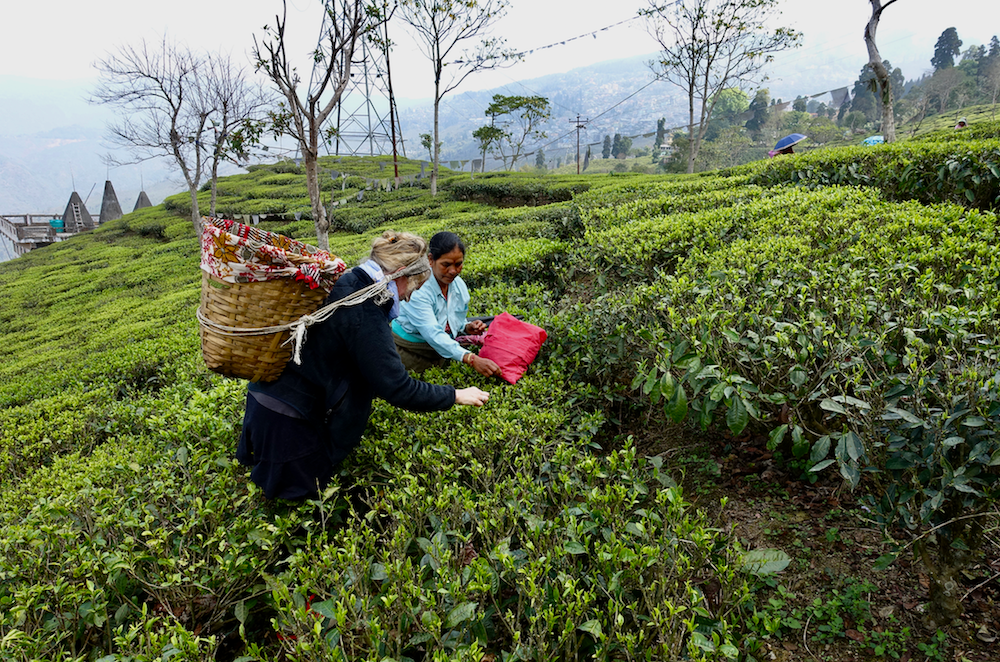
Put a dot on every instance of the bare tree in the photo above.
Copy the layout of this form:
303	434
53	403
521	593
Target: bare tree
237	119
882	80
303	113
942	84
710	45
442	26
991	81
164	110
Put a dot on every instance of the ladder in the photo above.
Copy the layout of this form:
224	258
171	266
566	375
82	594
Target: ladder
77	217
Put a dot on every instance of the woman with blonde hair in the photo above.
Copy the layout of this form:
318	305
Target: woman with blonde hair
298	428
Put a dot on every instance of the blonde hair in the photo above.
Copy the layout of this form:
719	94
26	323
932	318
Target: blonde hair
394	251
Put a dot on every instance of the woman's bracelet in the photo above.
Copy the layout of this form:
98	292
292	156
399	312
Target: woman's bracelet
468	358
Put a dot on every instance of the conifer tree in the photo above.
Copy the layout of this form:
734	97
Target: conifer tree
948	46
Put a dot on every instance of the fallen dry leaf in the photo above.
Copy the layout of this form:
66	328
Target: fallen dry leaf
984	635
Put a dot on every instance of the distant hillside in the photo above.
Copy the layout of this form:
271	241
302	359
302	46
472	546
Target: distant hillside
617	96
608	94
51	141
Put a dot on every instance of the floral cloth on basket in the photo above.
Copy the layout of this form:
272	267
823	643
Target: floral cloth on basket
237	253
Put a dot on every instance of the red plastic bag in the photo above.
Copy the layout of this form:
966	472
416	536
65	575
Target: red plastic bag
512	345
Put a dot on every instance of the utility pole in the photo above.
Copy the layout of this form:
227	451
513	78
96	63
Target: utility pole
580	124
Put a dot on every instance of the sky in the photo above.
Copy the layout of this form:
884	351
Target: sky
62	39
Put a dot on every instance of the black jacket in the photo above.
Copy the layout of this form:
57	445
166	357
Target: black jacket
347	361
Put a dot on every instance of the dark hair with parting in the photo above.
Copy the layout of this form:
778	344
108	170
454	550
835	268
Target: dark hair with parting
444	242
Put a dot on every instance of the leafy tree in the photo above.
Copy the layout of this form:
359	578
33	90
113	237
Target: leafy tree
948	46
661	133
759	107
730	102
708	46
795	121
733	147
427	142
863	100
442	27
799	105
823	130
526	115
586	159
302	114
845	107
540	159
620	146
854	120
165	108
606	148
488	137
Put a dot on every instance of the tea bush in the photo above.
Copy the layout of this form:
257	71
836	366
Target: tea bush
965	172
815	316
511	190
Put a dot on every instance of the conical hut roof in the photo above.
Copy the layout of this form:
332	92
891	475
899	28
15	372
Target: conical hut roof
76	218
142	201
110	209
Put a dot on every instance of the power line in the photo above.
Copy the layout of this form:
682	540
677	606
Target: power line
592	33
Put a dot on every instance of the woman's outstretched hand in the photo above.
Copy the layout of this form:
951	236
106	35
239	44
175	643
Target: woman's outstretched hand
485	367
471	396
475	327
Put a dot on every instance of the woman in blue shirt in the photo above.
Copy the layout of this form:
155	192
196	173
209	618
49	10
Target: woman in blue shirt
435	315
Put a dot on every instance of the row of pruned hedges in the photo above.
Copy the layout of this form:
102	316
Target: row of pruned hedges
939	168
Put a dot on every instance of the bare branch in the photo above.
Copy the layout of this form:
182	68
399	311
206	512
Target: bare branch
303	112
708	46
163	106
444	28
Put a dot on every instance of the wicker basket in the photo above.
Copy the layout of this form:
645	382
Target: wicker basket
249	306
259	358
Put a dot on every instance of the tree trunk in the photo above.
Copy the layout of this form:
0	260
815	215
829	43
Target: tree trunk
215	185
310	160
691	144
881	73
437	143
195	213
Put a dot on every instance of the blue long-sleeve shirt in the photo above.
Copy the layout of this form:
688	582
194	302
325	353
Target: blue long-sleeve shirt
424	316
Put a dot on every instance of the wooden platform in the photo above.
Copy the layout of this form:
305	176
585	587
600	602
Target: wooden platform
29	231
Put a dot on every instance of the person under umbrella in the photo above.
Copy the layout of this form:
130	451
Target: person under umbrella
784	146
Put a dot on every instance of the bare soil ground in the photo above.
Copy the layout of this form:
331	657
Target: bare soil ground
846	609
